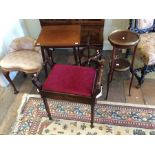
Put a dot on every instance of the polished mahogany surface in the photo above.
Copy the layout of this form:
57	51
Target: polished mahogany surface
123	38
91	29
62	35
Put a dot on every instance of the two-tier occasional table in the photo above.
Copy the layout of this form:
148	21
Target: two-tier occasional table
122	39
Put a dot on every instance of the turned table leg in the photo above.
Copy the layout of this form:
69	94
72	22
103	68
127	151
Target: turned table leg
47	108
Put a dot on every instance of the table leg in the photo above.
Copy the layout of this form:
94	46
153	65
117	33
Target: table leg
44	60
110	74
79	56
75	55
51	55
112	64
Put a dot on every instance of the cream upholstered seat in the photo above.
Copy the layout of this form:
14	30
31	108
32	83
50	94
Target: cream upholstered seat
146	48
23	56
27	61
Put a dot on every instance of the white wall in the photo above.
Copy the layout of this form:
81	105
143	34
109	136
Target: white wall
34	28
110	25
10	30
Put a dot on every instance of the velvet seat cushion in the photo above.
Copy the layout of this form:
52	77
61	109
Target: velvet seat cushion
69	79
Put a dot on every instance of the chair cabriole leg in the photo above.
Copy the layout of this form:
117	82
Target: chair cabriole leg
6	74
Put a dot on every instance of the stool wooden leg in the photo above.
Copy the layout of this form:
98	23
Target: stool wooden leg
47	108
92	114
6	74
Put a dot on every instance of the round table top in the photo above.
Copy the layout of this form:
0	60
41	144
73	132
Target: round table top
123	38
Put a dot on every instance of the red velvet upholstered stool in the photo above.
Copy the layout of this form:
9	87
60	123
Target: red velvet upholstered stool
71	83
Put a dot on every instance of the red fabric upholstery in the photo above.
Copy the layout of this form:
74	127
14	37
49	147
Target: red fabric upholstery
70	80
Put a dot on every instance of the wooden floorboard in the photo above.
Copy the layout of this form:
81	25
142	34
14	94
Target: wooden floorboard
148	91
136	94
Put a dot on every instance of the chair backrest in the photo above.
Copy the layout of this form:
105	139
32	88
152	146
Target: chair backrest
23	43
142	25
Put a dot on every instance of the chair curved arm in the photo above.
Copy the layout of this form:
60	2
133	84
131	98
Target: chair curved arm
99	78
23	43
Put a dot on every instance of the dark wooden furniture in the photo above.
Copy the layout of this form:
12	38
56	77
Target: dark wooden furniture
91	38
147	68
61	36
72	83
89	52
91	29
122	39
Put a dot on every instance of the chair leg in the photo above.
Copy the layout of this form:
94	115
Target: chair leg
6	74
144	70
92	114
47	108
143	73
24	74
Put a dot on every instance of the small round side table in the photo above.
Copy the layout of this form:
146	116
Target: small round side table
122	39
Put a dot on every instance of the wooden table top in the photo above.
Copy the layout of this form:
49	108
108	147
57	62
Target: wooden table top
59	35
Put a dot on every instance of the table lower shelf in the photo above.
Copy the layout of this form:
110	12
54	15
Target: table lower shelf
121	65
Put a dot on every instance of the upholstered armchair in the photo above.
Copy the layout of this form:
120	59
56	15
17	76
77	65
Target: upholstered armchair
146	48
23	56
